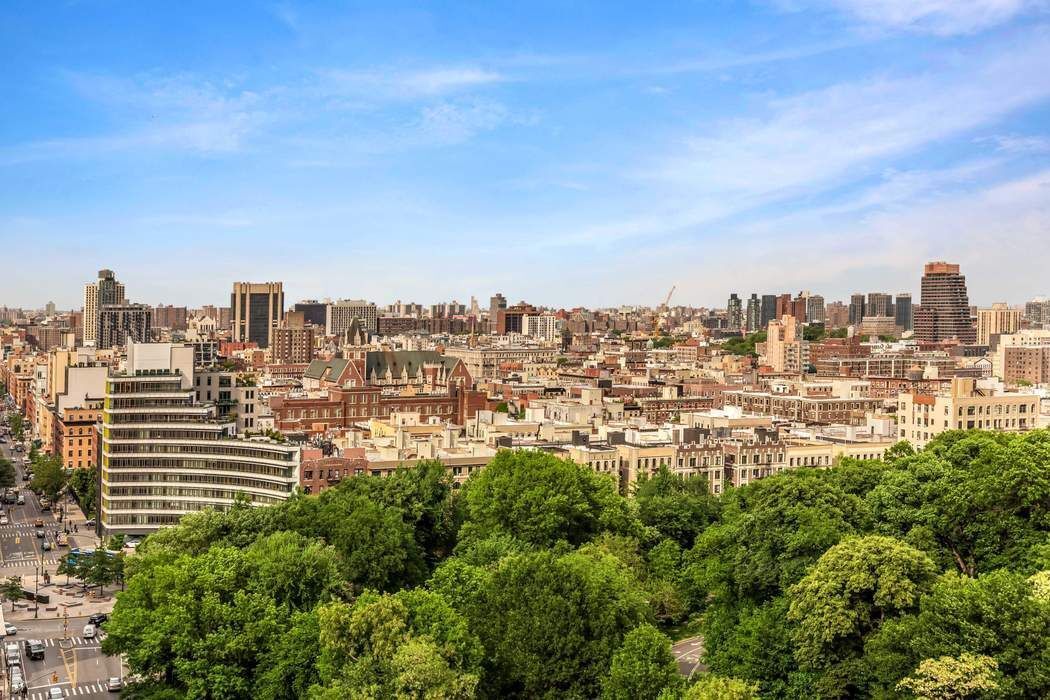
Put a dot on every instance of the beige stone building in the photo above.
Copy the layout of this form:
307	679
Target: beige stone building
998	320
965	406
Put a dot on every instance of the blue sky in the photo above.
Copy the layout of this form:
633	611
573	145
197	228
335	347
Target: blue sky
567	153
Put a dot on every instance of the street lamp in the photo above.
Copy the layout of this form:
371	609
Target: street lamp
36	595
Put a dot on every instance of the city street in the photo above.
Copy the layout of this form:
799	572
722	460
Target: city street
72	663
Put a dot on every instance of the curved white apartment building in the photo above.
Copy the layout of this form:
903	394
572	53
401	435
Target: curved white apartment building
163	455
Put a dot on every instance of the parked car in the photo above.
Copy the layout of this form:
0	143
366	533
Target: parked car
114	685
18	684
98	618
10	629
3	520
89	523
11	654
89	631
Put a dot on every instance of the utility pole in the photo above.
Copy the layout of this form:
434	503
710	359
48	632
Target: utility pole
36	596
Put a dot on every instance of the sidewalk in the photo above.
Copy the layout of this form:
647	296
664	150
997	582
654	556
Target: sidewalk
71	599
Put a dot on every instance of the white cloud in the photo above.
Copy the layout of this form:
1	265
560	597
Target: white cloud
831	136
395	84
940	17
449	122
1020	145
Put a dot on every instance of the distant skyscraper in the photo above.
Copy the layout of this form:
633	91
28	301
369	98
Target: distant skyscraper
836	315
754	314
734	312
118	323
998	320
256	309
105	291
769	309
879	305
944	306
342	313
785	307
902	311
497	303
815	309
856	309
314	312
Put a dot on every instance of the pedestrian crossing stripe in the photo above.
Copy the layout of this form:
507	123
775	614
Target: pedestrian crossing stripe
82	690
77	641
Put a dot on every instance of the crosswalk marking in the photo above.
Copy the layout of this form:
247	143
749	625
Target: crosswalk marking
83	689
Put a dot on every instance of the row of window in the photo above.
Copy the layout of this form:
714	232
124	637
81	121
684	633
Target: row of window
184	463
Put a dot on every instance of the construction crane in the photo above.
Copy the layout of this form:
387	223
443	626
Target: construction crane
662	309
667	300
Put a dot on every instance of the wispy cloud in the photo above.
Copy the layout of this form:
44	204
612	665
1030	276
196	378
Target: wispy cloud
813	139
1018	145
939	17
386	84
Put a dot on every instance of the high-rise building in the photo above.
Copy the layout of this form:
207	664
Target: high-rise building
509	320
784	305
754	314
856	309
497	303
879	304
257	308
1037	311
836	315
165	455
998	320
542	327
799	306
293	341
944	306
173	317
815	311
734	312
119	323
315	312
769	309
902	311
342	313
105	290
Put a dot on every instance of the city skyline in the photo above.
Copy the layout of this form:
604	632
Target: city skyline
833	146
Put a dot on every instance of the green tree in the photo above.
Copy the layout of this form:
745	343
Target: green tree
712	687
288	668
11	590
7	473
948	678
84	485
540	499
17	424
999	615
642	667
679	508
408	644
974	500
97	569
549	623
205	624
68	567
49	476
850	592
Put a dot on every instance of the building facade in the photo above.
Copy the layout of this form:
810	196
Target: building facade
164	455
256	310
944	306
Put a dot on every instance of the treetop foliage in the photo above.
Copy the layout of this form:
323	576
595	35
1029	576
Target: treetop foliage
926	575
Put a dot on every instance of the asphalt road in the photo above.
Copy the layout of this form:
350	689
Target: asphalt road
687	654
78	664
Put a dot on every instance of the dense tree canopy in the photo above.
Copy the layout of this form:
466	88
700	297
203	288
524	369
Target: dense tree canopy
925	575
